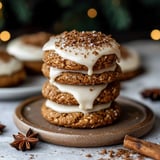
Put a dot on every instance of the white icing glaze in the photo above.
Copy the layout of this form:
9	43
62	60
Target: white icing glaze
84	54
85	95
23	51
54	72
91	92
68	109
7	68
130	63
77	54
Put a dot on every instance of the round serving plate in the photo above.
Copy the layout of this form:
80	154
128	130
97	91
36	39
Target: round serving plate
136	120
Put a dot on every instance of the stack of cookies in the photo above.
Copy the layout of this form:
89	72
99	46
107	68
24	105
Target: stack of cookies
82	79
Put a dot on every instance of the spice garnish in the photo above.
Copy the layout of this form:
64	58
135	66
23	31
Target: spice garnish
25	142
152	93
1	127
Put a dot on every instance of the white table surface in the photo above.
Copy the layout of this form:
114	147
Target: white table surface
150	56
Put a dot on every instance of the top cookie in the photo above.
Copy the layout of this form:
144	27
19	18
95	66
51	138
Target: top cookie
81	49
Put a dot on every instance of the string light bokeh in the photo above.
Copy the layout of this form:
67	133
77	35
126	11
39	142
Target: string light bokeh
1	5
92	13
4	35
155	34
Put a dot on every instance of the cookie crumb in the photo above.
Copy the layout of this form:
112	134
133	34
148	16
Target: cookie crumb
103	152
120	154
31	156
88	155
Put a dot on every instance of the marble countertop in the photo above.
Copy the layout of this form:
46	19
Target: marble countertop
150	56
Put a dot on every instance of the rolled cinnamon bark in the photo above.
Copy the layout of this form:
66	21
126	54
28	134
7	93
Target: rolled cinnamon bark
143	147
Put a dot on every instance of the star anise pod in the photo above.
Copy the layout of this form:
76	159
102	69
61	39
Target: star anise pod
152	93
1	128
25	142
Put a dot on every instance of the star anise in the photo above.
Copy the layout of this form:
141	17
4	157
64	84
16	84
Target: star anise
152	93
1	128
25	142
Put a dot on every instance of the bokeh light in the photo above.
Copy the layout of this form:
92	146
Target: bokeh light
1	5
92	13
155	34
5	36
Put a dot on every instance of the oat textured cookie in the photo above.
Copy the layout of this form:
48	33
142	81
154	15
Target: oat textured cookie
109	93
82	79
28	49
80	120
52	59
12	72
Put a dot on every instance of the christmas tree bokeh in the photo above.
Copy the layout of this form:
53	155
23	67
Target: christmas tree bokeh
109	16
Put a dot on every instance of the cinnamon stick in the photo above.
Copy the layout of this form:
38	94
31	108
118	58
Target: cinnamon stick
145	148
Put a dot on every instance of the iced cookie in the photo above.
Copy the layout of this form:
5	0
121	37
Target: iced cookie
12	72
74	77
130	63
78	119
109	93
28	49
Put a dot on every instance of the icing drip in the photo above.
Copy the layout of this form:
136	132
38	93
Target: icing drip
54	72
68	109
85	100
91	92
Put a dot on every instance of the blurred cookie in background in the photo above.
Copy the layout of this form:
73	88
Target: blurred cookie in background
130	63
28	49
12	72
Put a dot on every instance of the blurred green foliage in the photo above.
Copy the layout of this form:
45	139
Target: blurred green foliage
114	14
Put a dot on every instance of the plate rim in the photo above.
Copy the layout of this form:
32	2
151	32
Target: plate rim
21	90
23	125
